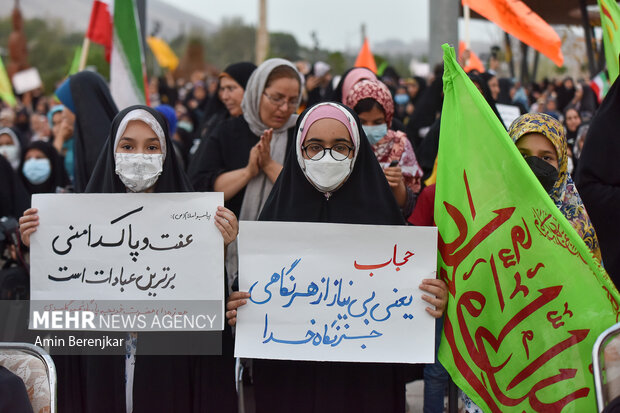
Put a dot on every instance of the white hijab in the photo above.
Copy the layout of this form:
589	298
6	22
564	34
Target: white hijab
258	189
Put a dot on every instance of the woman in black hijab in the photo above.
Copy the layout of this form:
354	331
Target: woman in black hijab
14	199
565	93
598	180
169	383
356	193
226	102
138	162
42	169
427	110
223	159
485	89
87	95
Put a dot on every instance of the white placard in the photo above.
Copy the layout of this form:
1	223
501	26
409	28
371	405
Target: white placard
508	113
335	292
26	80
133	252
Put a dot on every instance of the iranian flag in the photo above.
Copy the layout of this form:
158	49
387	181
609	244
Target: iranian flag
127	69
600	86
115	25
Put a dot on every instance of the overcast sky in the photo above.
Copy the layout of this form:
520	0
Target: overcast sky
336	22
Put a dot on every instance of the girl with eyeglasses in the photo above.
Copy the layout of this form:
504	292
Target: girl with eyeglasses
331	175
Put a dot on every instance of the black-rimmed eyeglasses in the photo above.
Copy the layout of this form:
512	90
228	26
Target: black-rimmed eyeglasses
316	152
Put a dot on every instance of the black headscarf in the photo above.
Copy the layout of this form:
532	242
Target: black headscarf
565	95
598	179
365	198
571	136
23	127
505	84
216	111
241	72
13	393
426	109
58	176
14	199
105	179
103	383
422	85
94	111
480	81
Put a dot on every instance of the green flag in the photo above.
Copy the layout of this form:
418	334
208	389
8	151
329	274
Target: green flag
75	63
527	299
6	90
610	20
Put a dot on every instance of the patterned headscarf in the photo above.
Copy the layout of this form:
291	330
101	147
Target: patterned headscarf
372	89
395	146
564	193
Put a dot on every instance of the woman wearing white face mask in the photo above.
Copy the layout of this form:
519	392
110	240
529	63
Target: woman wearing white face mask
331	175
10	147
138	157
373	103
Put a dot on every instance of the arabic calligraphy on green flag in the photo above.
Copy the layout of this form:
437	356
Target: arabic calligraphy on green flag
527	298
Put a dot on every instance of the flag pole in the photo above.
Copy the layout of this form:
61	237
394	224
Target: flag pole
84	56
466	18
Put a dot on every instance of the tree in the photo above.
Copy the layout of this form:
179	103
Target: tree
283	45
233	42
51	49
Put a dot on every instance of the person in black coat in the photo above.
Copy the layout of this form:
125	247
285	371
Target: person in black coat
353	191
598	180
138	157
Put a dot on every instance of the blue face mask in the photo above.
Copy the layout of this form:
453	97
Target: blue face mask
375	133
37	171
401	99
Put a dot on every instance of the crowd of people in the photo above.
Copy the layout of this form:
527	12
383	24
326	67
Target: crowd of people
290	142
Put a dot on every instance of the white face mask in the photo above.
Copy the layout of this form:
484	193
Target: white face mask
11	153
327	173
138	171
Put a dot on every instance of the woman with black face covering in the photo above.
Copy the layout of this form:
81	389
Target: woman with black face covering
331	175
138	157
542	142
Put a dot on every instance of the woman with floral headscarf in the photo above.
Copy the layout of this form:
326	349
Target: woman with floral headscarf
372	101
541	140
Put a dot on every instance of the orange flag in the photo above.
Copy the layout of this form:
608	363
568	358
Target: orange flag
365	58
474	61
516	18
